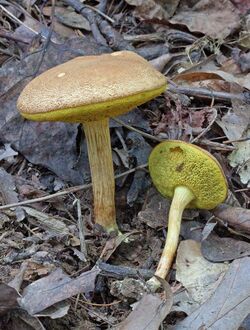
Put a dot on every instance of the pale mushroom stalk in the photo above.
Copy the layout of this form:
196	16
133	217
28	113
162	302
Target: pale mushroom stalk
182	197
192	177
102	172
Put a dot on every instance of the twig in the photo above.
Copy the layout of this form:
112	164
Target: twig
149	136
81	228
47	42
113	38
67	191
111	20
238	140
203	92
14	18
90	16
11	36
216	145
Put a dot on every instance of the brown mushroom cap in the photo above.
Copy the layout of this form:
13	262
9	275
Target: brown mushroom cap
90	88
177	163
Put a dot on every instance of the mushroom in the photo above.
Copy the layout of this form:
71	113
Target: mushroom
90	90
194	179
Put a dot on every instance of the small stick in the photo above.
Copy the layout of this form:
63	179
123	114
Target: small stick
131	128
81	228
68	190
203	92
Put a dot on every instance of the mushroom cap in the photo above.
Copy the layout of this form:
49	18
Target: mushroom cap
176	163
91	88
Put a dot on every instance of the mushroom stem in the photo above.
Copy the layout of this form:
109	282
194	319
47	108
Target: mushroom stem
182	197
102	172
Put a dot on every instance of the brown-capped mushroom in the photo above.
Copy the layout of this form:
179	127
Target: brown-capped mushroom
90	90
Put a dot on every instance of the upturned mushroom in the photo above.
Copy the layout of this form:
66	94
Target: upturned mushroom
194	179
90	90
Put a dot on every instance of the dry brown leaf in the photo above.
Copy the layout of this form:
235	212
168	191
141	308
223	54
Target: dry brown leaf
149	313
219	249
54	288
8	193
228	306
217	19
8	299
199	276
191	77
53	225
157	9
237	217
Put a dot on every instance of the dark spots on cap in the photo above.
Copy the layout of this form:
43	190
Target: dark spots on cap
179	167
176	150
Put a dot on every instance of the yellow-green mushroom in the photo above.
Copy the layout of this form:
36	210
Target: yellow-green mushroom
193	178
90	90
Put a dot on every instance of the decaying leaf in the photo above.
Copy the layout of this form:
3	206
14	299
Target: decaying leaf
217	19
54	288
7	152
8	299
228	306
219	249
68	17
235	126
150	9
237	217
149	313
8	193
241	158
53	225
199	276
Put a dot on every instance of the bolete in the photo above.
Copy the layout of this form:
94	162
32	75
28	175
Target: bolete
194	179
90	90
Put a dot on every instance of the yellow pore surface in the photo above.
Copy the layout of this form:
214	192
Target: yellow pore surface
177	163
91	88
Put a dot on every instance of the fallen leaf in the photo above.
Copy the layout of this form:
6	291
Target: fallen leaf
241	158
237	217
148	314
21	320
56	311
235	126
218	249
156	9
74	20
7	152
8	299
8	193
217	19
242	5
199	276
155	210
228	306
54	225
54	288
113	243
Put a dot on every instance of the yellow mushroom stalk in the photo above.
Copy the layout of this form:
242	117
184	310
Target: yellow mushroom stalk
90	90
193	178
